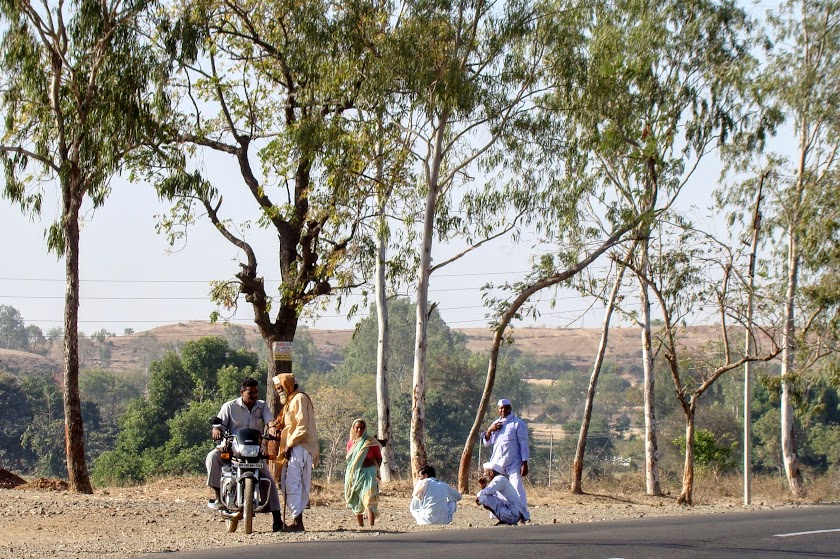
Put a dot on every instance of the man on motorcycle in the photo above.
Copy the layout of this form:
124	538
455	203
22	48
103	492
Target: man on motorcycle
245	412
298	447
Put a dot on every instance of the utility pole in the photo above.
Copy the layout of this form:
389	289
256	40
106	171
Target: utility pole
756	225
550	456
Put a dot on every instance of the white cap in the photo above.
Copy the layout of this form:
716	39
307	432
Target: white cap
503	402
491	466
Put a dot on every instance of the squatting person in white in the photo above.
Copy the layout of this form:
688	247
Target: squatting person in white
498	496
433	501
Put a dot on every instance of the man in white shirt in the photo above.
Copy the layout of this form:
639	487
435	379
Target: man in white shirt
245	412
499	497
433	501
508	436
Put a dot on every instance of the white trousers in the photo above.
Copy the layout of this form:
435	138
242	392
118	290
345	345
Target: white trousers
425	516
518	483
501	509
296	480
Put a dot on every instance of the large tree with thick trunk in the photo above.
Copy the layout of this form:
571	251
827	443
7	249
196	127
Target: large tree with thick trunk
278	88
76	99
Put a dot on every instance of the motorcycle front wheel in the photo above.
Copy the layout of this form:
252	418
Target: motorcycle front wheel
248	505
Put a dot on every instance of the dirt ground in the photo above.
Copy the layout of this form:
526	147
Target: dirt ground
42	519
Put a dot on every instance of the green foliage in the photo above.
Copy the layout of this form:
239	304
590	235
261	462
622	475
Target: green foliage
35	340
55	334
142	427
100	111
230	379
824	441
306	361
110	391
170	385
15	414
187	446
32	424
44	434
13	334
202	359
185	389
455	380
709	452
118	467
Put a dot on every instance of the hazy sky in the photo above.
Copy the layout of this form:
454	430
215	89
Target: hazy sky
131	279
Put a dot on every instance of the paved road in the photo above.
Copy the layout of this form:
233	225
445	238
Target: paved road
789	533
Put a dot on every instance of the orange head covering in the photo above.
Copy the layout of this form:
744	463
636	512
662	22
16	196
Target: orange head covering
285	382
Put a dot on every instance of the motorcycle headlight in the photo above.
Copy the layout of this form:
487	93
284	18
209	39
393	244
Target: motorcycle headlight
247	450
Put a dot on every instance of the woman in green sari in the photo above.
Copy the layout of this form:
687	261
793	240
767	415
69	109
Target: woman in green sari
361	478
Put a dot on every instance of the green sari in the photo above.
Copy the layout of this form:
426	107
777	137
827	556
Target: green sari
361	485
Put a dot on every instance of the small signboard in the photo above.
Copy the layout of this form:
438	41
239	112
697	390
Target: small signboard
282	351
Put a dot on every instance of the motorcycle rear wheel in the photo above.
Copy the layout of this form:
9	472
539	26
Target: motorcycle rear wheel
248	505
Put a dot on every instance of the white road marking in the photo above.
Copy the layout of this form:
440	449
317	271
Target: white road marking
806	533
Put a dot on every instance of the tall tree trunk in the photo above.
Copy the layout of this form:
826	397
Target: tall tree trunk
74	434
383	398
499	332
652	485
685	497
466	454
577	465
418	393
789	456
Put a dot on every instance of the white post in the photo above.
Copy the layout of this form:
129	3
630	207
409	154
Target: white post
550	456
749	349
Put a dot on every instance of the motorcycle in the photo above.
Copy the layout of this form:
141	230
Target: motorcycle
242	481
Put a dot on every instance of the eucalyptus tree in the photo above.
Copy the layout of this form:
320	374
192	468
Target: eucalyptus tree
636	98
693	272
387	184
278	87
661	88
575	487
800	86
466	92
395	204
76	96
13	330
552	189
802	76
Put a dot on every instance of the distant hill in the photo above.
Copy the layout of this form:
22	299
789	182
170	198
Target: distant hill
18	362
134	352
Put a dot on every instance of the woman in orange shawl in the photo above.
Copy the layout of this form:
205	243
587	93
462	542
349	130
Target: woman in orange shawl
361	478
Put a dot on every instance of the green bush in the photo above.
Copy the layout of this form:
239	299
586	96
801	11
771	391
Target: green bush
117	467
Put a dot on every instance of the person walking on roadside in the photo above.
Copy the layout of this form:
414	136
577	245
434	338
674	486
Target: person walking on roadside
298	452
498	496
508	436
433	501
361	478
